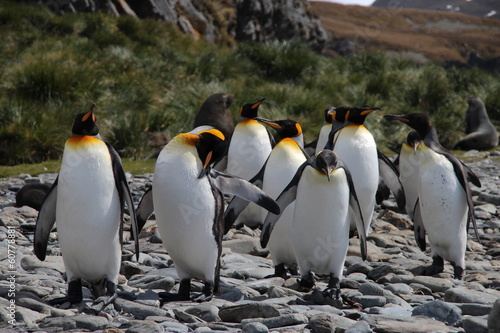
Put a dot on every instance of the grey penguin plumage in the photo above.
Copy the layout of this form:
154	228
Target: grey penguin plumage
444	209
325	203
87	203
187	198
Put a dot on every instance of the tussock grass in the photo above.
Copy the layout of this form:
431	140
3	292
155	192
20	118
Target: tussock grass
146	76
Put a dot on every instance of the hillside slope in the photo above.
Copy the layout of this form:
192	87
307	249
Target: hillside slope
421	35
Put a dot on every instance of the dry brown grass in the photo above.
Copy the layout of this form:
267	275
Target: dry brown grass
440	36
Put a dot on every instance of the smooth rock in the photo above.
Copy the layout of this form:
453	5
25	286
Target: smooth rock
371	288
280	321
360	327
448	313
91	323
173	327
465	295
254	327
205	311
237	313
475	324
399	288
144	326
474	309
140	311
435	284
368	301
151	282
494	317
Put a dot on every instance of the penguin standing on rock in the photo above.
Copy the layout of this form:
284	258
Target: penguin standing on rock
325	203
87	203
248	150
286	157
187	198
444	204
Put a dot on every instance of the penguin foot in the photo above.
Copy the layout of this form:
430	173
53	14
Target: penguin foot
280	271
74	294
308	281
182	295
333	288
458	271
433	270
436	267
106	300
206	295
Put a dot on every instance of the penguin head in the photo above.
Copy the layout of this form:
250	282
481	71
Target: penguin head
357	114
420	122
285	128
210	147
250	110
326	162
86	123
329	112
413	139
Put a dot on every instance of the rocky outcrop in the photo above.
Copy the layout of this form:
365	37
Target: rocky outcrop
216	21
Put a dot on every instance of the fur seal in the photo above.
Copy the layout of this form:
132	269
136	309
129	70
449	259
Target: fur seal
215	112
481	134
32	195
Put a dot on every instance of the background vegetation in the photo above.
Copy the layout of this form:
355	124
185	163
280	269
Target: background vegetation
146	76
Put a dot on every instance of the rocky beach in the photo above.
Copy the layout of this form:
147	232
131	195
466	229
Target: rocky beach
385	293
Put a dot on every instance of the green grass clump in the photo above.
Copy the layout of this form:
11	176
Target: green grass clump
146	76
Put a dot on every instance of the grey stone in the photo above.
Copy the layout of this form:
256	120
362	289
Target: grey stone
435	284
494	317
392	311
322	323
237	313
369	300
397	324
262	286
254	327
361	267
275	292
144	326
186	317
151	282
280	321
399	288
475	324
421	299
318	298
474	309
371	288
360	327
140	311
173	327
446	312
465	295
383	270
205	311
91	323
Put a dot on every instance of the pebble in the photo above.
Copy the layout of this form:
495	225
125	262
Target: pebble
383	294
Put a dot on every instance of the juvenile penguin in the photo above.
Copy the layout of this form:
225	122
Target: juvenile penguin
409	166
444	198
187	198
248	150
277	172
481	133
87	203
325	202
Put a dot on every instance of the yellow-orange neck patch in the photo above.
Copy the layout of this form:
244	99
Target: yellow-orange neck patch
79	140
249	122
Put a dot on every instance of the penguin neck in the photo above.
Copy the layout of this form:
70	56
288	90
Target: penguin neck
300	140
431	139
97	136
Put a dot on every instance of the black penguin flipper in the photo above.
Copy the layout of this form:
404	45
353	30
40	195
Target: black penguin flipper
286	197
238	204
356	209
125	196
471	176
45	222
390	175
233	185
336	127
418	227
145	208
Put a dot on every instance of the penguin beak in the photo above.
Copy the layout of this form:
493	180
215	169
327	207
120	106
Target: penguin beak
206	168
375	108
257	104
327	173
396	117
89	114
268	122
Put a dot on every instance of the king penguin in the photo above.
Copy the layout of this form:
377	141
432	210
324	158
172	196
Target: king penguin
248	150
277	172
319	143
87	203
408	163
187	198
444	202
325	203
356	147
